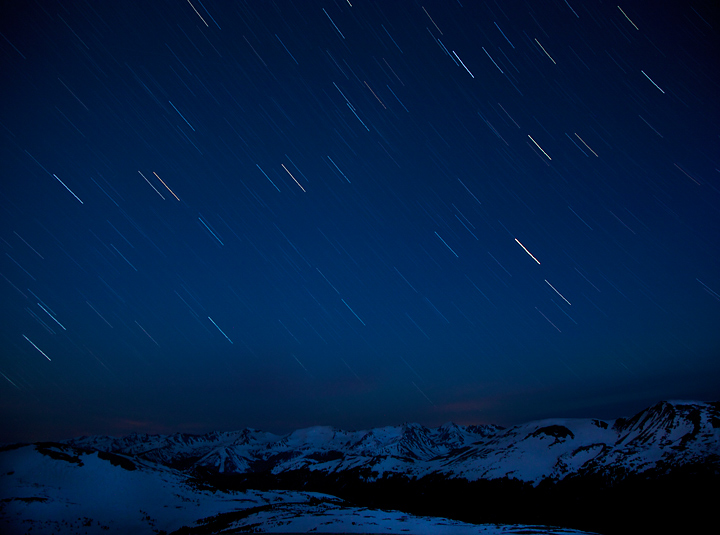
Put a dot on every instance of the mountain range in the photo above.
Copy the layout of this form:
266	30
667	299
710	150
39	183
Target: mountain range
574	473
669	434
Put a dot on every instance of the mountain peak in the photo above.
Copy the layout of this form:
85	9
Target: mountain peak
449	425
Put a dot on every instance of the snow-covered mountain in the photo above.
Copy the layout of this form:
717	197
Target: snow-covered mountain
663	437
579	473
51	488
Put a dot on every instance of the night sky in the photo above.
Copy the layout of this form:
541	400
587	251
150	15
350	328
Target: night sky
218	214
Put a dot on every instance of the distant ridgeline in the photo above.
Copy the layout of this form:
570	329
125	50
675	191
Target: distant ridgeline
659	470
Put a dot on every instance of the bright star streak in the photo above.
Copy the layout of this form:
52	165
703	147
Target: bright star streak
651	81
219	329
78	198
628	18
588	146
198	14
153	187
210	230
561	295
528	252
539	147
463	64
546	52
36	347
168	188
180	114
291	176
264	173
53	317
351	310
446	245
333	23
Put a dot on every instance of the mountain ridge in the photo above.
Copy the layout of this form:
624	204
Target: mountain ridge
669	433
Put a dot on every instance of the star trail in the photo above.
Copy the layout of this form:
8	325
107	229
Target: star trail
217	215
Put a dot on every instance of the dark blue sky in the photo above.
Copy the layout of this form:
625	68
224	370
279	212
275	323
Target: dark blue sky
226	214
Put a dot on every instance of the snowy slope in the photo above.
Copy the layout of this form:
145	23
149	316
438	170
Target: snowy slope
54	488
667	435
534	451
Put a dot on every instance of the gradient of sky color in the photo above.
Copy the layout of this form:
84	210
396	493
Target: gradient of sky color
216	215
